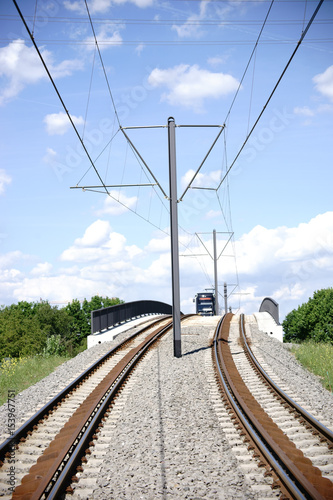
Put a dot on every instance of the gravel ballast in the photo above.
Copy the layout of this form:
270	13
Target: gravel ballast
303	383
167	441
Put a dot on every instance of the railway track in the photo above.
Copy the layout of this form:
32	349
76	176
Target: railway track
51	446
293	448
52	461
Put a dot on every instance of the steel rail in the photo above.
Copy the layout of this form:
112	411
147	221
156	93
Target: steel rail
49	477
324	431
80	450
22	432
221	370
293	478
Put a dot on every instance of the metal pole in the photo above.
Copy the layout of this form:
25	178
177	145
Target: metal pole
217	309
177	348
225	298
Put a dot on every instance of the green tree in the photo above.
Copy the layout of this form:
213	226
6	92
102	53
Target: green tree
20	335
312	320
30	328
98	302
79	321
51	319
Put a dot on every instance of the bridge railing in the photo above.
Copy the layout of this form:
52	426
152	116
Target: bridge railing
103	319
269	305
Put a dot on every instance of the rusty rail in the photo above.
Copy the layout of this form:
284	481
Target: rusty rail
28	426
59	462
297	477
49	476
317	426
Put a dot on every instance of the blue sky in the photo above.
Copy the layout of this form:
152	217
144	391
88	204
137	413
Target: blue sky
162	59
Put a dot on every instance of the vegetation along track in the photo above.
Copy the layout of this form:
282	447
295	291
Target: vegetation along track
50	447
292	446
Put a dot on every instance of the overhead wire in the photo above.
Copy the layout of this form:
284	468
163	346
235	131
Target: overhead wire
125	206
110	146
251	96
34	19
273	91
89	93
98	156
256	122
225	121
115	110
305	6
102	63
112	100
111	96
165	43
232	103
249	61
58	94
168	22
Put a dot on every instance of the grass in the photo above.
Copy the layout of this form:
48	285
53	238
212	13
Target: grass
17	374
318	359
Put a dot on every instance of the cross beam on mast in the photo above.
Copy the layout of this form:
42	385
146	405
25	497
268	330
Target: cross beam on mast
113	186
215	259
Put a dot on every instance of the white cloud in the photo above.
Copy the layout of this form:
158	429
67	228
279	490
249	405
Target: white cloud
304	111
139	3
324	83
158	245
256	249
102	6
217	60
5	179
76	6
50	156
192	26
42	269
286	263
100	244
95	6
210	179
212	214
95	235
21	66
58	123
117	204
59	289
308	239
189	85
139	48
10	276
107	36
12	258
158	272
293	292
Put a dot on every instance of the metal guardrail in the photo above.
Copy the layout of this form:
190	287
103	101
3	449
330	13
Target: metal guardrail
103	319
269	305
